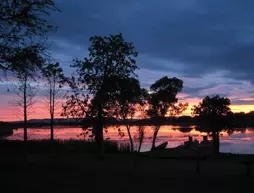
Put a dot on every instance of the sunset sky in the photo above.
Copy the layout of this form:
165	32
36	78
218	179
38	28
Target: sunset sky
208	44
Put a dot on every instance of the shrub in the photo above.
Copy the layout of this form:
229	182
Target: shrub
60	146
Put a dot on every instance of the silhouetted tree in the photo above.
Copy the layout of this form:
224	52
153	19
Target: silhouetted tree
26	79
211	114
110	57
55	77
23	28
162	97
130	96
25	90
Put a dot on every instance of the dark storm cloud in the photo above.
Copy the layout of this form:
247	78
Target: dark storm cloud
242	102
202	36
196	90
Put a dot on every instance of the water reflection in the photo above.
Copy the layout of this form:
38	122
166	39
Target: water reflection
240	141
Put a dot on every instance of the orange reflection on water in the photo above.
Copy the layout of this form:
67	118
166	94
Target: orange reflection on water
166	133
241	140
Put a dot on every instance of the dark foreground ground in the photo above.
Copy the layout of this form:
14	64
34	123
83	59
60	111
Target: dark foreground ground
74	172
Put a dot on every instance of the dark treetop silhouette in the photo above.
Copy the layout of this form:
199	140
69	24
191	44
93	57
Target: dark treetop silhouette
23	29
212	112
162	97
130	97
110	58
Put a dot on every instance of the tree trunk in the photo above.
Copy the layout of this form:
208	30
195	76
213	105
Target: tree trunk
25	117
51	127
52	108
216	143
139	145
99	129
51	113
140	137
25	109
130	137
155	136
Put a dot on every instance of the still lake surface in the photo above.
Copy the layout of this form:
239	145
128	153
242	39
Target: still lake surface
240	141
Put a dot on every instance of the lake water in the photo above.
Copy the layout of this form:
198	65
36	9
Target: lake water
241	141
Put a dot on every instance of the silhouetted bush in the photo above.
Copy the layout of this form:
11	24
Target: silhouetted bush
124	148
60	146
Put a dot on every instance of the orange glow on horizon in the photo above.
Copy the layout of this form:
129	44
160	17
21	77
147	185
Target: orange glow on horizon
40	111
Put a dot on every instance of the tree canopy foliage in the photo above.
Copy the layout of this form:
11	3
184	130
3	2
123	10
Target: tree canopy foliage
163	95
213	106
23	29
212	110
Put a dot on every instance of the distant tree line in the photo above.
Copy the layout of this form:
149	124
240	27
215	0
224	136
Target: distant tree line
240	120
